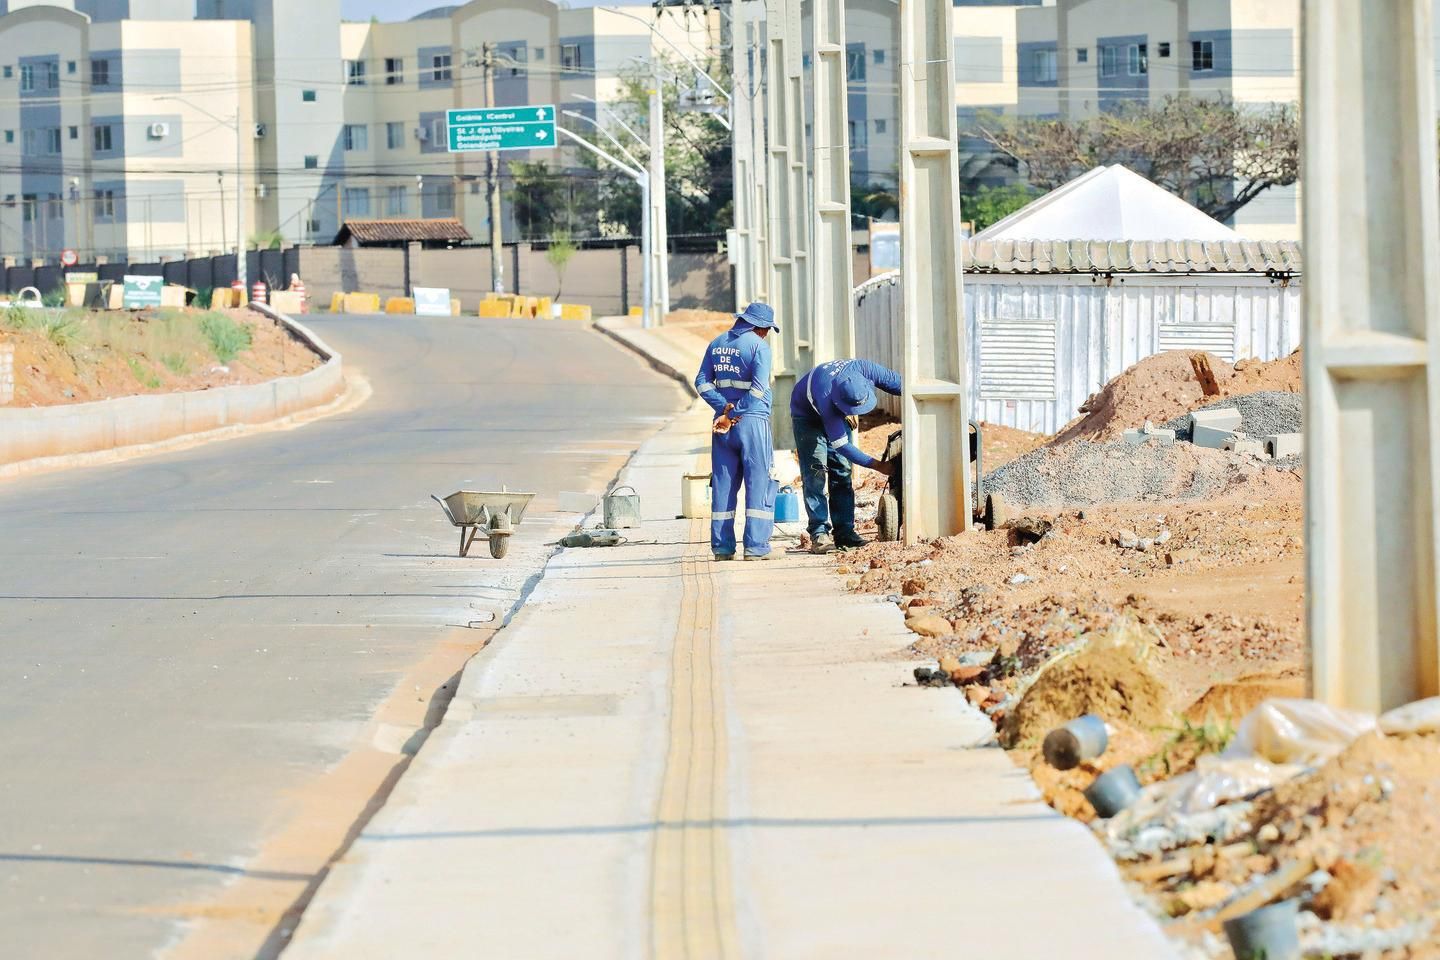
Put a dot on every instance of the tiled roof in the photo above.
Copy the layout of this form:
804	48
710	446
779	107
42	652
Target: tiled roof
395	231
1136	256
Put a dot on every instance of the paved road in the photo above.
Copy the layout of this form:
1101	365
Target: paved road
209	660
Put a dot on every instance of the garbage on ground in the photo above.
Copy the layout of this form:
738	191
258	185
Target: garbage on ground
599	537
1083	738
1113	791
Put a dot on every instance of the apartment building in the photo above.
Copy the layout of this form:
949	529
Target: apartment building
123	122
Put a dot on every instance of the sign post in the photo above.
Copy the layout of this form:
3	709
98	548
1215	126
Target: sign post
500	128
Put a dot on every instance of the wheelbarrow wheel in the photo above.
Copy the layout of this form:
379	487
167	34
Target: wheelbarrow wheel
887	518
499	545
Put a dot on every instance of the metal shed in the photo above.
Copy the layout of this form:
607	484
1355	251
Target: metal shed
1049	322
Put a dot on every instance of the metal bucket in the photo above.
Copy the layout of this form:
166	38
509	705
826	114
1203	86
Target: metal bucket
1083	738
695	495
787	505
622	511
1268	933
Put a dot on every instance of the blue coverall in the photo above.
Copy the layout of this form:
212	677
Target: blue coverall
824	445
736	369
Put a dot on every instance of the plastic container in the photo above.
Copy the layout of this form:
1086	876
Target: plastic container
787	505
622	511
1083	738
695	496
1113	791
1269	933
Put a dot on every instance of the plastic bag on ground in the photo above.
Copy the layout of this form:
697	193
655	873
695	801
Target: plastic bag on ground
1422	716
1304	732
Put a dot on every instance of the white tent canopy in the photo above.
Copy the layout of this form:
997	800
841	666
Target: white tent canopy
1108	203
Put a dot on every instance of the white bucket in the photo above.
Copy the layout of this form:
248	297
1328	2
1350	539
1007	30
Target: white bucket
695	495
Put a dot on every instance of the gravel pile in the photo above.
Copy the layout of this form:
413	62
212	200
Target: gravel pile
1262	414
1082	472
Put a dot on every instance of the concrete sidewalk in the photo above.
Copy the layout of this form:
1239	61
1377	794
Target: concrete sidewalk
669	757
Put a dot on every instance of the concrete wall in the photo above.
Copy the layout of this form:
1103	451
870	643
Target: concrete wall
592	277
7	373
41	432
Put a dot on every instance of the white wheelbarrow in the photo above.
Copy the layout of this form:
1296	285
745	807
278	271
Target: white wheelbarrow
491	515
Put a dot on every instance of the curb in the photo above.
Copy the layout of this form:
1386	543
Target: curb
660	365
36	439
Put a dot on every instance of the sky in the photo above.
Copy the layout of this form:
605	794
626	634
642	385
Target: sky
405	9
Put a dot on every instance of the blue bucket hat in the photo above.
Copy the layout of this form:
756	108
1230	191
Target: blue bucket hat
759	315
853	394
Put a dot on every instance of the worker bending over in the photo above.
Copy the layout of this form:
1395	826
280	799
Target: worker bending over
734	379
823	409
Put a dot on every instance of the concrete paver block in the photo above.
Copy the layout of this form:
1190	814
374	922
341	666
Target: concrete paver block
1150	434
1221	418
1239	443
1284	444
1212	437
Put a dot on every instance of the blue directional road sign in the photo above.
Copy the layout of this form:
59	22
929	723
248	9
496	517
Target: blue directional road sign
501	128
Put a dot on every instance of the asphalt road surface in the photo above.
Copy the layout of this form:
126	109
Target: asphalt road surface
207	658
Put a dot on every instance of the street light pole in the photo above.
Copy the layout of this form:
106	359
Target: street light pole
656	208
234	124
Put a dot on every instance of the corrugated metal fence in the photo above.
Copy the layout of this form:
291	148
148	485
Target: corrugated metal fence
1041	345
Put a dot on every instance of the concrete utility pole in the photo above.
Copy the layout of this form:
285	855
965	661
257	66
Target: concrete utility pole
659	227
492	184
1372	353
788	203
834	269
742	160
932	333
754	22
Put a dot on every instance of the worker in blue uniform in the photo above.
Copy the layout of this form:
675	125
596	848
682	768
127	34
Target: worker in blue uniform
734	379
824	408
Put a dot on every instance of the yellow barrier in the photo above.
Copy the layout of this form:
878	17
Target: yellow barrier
494	309
575	311
400	305
362	303
543	308
455	309
337	301
517	307
637	311
491	295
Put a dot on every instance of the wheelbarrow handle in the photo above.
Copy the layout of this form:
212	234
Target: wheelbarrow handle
446	507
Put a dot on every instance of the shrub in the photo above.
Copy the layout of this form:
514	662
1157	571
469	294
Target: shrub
55	298
146	376
228	339
176	363
203	296
61	329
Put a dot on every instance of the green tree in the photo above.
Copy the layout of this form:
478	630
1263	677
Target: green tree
267	240
991	204
537	197
1213	152
558	255
874	201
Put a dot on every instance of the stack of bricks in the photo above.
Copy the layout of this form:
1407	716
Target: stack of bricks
7	373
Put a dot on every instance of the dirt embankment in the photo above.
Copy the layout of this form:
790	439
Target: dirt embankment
1161	588
75	356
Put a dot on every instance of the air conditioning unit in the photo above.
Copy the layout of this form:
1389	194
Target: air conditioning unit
260	131
422	134
158	131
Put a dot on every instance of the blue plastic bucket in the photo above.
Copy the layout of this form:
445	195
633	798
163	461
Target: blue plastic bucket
787	505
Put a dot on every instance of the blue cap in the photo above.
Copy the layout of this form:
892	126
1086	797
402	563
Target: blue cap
759	315
854	394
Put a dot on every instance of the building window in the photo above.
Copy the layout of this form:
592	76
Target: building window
855	65
436	128
355	73
1137	59
445	198
1164	50
74	133
312	226
54	209
105	204
397	202
9	136
879	126
394	71
1042	64
357	202
52	75
27	77
879	56
104	138
30	143
517	56
312	162
52	140
357	136
394	135
70	66
1202	56
440	67
100	73
1109	62
1082	54
9	71
307	96
857	133
569	56
27	202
